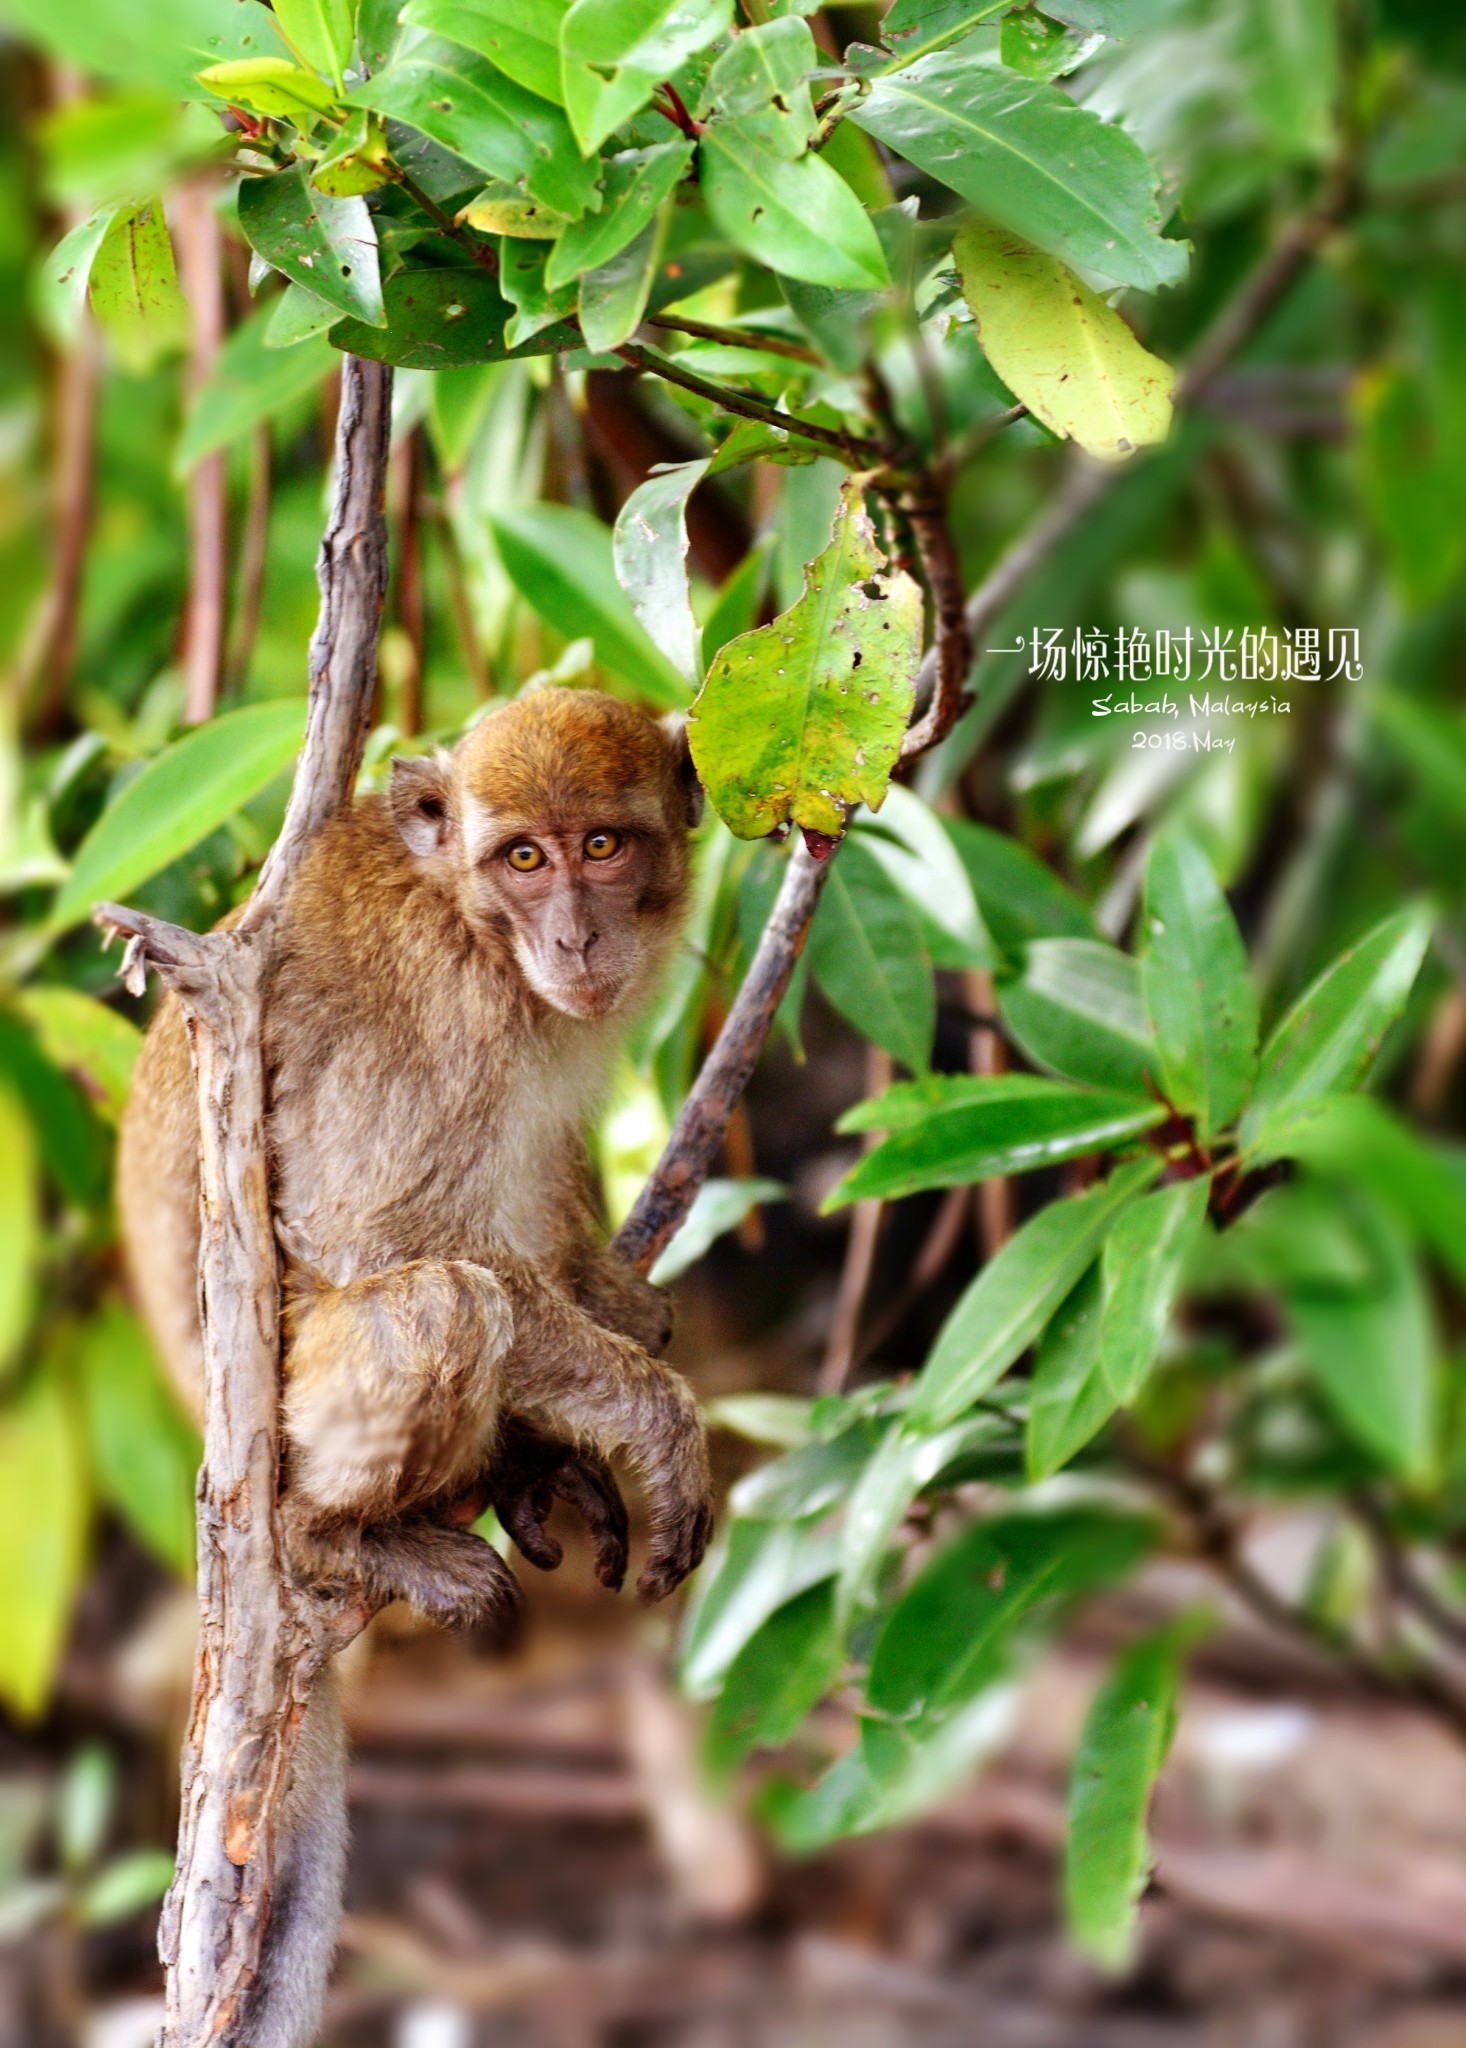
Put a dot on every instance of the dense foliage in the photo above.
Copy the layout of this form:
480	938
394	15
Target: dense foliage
711	335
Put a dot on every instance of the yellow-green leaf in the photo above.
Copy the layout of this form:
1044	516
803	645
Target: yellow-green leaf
134	287
270	85
320	31
43	1514
802	719
1067	355
19	1222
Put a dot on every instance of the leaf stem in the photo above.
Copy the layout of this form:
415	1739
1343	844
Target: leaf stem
739	337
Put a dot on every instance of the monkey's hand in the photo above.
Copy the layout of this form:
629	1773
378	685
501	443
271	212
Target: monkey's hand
530	1472
671	1455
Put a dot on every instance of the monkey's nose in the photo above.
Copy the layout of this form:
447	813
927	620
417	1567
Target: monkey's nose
580	946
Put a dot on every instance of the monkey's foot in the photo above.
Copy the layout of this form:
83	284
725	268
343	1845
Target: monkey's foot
450	1575
678	1542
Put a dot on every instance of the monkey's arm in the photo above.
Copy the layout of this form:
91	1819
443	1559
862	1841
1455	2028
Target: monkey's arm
610	1291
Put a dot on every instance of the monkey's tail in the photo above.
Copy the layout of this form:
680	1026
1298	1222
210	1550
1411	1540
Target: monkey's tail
310	1873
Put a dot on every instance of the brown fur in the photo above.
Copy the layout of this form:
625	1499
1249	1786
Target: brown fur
438	1030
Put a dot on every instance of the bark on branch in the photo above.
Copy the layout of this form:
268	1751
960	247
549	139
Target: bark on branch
264	1633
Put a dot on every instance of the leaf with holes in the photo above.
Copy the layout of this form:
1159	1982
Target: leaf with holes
134	288
637	181
802	719
612	53
1068	356
328	246
461	101
439	318
800	218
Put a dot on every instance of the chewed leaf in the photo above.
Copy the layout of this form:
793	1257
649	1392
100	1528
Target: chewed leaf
802	719
1059	348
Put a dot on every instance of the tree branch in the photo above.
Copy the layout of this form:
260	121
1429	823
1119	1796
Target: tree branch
263	1635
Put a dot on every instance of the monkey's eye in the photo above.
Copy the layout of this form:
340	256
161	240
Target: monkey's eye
601	845
525	857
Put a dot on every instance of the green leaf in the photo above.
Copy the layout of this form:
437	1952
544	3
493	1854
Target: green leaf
1076	1009
1012	1298
613	52
1359	1138
125	1886
180	797
1372	1346
71	1154
272	86
327	246
1059	348
866	950
949	1634
1331	1035
86	1801
910	844
522	281
134	288
1127	1733
802	719
521	41
1198	993
987	1129
43	1529
298	315
20	1225
1040	48
761	80
1430	738
913	28
800	218
560	560
816	1476
720	1206
60	293
1143	1264
252	379
636	183
439	319
86	1039
1032	159
1019	898
463	102
1069	1398
754	1570
778	1676
144	1453
614	298
320	31
907	1460
1288	67
650	550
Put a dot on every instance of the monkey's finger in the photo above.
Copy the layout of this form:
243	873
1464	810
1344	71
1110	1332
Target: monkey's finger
677	1550
524	1516
586	1485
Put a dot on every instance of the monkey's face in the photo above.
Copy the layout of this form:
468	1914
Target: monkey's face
583	904
562	821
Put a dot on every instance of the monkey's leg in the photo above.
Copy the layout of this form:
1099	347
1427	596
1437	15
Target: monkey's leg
567	1371
393	1389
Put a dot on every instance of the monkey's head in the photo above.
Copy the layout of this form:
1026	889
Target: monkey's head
561	821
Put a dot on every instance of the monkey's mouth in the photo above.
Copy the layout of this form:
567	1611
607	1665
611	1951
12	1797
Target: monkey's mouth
588	995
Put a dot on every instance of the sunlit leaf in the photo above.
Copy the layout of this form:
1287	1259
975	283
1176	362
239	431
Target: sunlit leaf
144	1453
1076	1009
721	1205
1331	1035
84	1038
43	1527
183	794
801	719
20	1225
134	288
650	550
320	31
1059	348
60	293
272	86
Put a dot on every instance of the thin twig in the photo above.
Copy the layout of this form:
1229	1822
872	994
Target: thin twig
738	337
852	447
253	555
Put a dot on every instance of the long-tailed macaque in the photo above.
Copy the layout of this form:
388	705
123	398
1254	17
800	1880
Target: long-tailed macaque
454	965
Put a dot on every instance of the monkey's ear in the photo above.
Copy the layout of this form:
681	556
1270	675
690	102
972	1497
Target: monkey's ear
419	796
674	725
